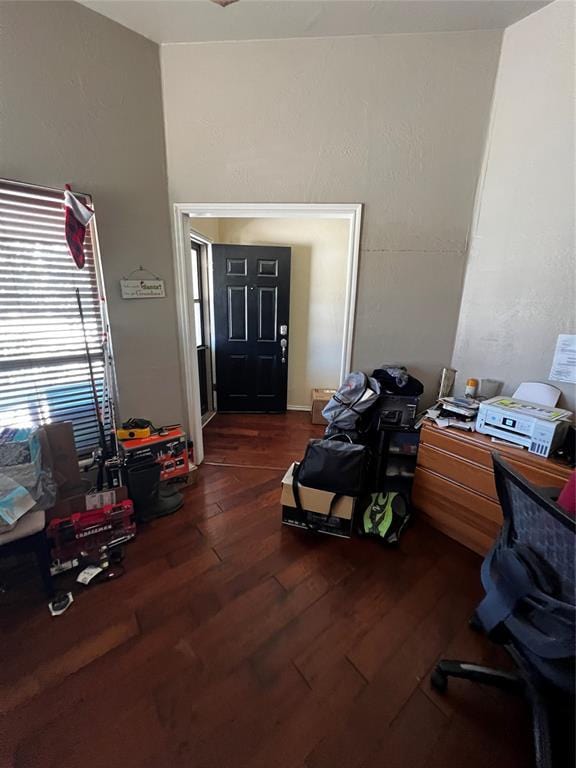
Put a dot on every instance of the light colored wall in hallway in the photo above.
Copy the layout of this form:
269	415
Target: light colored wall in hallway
80	102
397	122
520	290
208	227
317	293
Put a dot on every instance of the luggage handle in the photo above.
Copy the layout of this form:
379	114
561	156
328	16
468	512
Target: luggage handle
298	502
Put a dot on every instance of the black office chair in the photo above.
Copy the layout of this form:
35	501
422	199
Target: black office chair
529	577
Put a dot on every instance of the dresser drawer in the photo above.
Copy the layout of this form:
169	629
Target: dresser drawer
473	476
539	476
468	517
478	449
453	443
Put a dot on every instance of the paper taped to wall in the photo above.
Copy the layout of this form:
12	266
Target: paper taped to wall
564	363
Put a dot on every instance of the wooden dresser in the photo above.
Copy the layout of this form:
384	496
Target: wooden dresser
454	486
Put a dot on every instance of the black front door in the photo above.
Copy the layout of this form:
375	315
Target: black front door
251	309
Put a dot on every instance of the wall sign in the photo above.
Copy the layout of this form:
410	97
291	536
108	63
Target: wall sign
144	288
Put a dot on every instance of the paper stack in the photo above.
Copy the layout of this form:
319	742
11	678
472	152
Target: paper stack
459	412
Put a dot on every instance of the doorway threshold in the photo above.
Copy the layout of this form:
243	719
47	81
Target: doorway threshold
207	418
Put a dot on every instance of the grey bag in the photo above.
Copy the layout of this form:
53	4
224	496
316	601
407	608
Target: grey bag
357	394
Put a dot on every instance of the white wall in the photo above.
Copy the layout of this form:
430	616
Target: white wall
80	102
317	293
520	282
206	226
397	122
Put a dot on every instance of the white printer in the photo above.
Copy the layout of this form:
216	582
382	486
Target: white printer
537	427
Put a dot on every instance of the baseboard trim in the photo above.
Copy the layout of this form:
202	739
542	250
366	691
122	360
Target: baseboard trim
299	408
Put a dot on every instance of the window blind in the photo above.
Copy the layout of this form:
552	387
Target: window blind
44	375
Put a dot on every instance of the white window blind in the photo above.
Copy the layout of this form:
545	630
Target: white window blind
44	375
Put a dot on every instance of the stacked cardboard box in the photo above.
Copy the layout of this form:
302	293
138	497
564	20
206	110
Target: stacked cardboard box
318	510
320	399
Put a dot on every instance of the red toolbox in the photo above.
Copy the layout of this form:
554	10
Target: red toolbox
90	532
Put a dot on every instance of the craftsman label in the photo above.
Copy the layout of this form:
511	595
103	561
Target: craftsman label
142	289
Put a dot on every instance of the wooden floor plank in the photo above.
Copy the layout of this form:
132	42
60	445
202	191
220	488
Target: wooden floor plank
402	746
234	642
350	741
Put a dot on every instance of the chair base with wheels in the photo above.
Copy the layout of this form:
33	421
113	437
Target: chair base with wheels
519	682
497	678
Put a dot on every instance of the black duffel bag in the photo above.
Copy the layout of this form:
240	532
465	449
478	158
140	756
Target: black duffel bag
336	465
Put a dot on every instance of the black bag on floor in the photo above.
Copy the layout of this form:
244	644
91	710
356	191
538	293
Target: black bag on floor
336	465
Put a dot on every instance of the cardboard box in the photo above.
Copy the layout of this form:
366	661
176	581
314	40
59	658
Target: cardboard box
63	458
320	398
315	509
81	502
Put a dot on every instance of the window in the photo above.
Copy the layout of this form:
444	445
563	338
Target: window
44	374
200	326
198	296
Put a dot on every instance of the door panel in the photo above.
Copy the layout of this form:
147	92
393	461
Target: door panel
268	267
236	267
239	377
251	302
267	378
267	314
237	313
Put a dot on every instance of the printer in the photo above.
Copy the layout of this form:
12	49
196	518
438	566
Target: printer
537	427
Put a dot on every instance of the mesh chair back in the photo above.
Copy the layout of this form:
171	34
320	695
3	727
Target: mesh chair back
533	519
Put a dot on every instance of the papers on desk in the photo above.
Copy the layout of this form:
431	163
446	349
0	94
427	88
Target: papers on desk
458	412
458	423
462	406
506	442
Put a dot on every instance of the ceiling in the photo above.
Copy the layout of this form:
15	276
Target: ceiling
196	21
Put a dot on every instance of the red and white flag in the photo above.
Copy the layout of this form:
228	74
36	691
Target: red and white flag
78	217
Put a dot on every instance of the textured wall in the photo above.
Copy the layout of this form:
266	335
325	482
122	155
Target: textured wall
520	283
317	294
80	102
208	227
396	122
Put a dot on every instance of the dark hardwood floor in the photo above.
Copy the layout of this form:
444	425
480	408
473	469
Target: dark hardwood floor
271	441
231	642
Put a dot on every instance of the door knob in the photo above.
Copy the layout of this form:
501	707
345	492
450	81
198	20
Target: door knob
283	330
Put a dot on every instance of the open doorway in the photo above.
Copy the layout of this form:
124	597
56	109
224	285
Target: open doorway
266	295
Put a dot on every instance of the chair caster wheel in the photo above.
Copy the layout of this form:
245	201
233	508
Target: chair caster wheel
475	624
439	681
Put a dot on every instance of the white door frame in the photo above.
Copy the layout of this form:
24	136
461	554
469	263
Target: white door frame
352	212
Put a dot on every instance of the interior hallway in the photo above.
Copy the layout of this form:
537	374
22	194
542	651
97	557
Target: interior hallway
232	642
